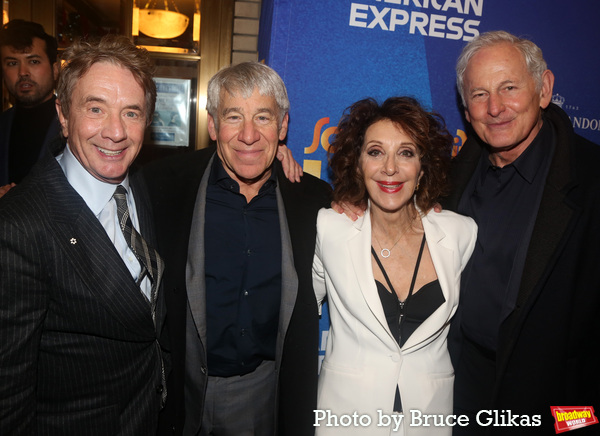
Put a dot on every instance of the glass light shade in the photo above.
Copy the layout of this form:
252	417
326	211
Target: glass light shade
196	29
161	24
135	21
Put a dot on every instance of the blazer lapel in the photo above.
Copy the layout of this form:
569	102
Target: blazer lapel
147	230
289	277
446	265
195	271
91	254
359	249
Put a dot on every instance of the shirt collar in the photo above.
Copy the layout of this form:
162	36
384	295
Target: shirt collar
94	192
531	160
219	176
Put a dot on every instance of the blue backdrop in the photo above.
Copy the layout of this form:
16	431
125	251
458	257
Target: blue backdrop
331	53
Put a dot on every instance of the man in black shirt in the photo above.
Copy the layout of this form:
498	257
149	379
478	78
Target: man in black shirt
29	70
239	239
529	314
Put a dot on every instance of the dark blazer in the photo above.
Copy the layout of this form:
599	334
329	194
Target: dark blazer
173	184
548	352
6	120
78	347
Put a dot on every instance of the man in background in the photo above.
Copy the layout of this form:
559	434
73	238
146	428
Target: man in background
524	337
238	240
80	308
29	70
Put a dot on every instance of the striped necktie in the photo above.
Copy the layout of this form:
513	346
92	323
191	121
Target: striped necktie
149	259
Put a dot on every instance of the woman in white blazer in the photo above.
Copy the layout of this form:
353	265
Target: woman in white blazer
392	277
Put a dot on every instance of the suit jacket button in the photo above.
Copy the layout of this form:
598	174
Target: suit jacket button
395	357
159	389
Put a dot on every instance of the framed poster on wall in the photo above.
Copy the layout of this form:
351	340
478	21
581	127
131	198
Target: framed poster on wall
170	124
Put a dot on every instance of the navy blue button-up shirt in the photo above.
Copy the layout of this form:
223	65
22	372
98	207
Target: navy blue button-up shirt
243	274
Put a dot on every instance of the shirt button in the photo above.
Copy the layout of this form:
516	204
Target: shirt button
245	293
243	332
159	389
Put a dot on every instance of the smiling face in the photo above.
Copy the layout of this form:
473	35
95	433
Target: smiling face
28	74
390	165
502	102
247	137
106	121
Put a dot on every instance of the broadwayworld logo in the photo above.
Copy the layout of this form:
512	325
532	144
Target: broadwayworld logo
571	418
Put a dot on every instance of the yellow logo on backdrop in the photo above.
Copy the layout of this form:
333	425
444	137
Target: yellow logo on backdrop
312	166
322	137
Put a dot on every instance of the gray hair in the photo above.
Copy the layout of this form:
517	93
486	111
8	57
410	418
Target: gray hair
536	65
242	79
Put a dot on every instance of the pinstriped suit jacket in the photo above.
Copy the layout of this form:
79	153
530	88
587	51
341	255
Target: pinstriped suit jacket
78	348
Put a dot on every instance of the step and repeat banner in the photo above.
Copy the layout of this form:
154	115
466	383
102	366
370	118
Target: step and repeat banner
331	53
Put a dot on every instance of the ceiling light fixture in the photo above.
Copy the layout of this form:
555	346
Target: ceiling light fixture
162	23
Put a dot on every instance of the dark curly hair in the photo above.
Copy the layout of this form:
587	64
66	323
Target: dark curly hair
426	129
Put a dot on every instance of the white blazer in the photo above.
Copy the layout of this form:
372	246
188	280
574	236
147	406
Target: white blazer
363	362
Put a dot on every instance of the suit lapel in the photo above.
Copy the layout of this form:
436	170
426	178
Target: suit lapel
195	269
91	254
147	230
289	277
359	249
298	235
446	264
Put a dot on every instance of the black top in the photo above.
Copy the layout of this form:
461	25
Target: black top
243	274
404	317
27	134
504	203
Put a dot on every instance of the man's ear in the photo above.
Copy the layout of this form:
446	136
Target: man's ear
547	87
284	127
212	129
64	122
55	70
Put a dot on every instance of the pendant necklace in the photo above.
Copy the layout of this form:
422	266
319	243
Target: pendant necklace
386	252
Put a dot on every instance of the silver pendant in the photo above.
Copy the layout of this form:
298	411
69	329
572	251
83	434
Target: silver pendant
385	253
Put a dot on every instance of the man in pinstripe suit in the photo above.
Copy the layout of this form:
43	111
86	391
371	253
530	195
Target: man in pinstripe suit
79	316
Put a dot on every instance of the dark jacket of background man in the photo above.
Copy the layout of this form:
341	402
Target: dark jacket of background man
29	70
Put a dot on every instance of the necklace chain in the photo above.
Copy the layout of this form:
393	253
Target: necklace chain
386	252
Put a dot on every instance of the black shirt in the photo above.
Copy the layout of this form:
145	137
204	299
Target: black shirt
243	274
27	133
504	203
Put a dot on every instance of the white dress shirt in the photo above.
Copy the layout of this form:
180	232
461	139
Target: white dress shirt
98	196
